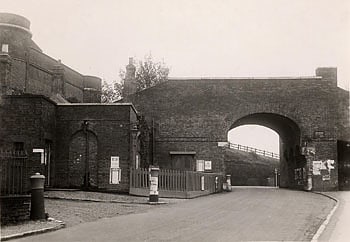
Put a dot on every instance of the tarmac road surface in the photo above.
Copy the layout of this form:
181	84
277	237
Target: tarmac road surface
246	214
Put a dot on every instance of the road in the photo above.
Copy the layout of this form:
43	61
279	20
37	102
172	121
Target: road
242	215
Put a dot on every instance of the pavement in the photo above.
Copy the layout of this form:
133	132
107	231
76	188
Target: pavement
242	215
338	229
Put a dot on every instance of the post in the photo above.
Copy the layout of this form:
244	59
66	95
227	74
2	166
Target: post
276	177
228	182
153	188
37	209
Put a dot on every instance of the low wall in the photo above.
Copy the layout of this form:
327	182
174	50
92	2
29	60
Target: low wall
15	209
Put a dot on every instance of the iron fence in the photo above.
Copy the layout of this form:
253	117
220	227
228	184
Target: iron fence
253	150
13	170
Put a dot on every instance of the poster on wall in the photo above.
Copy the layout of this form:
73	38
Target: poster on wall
114	161
200	165
207	165
316	167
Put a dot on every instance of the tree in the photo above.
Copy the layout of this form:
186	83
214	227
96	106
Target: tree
148	74
111	92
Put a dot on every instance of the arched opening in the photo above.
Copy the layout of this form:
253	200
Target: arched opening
83	160
290	163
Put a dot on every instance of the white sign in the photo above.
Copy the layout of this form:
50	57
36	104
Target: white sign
115	176
38	150
114	161
42	156
222	144
200	165
153	190
316	167
207	165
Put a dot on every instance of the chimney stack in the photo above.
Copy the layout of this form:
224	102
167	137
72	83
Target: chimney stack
130	86
328	74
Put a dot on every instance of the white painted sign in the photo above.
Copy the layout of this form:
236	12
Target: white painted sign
114	161
222	144
316	167
200	165
153	190
42	156
207	165
115	176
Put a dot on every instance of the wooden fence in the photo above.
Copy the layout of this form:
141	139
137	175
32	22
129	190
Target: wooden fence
13	171
176	183
254	150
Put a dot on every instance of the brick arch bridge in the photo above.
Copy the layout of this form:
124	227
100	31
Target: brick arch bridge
192	117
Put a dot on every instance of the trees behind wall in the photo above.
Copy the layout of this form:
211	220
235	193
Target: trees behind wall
148	74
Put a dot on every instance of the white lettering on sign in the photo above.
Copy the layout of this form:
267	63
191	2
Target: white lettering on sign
207	165
114	161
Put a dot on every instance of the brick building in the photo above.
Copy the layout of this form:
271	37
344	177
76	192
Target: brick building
45	105
54	114
311	114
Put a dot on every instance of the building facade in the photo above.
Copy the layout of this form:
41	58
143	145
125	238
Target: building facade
53	113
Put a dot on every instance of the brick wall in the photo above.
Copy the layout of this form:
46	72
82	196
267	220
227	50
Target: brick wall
196	112
29	119
111	126
14	209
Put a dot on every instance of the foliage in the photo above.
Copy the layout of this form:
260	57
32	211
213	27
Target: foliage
148	74
111	92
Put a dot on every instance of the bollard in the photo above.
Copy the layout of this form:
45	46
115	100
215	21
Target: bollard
228	181
153	188
37	208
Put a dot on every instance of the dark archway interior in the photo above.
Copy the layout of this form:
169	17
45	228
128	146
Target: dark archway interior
289	132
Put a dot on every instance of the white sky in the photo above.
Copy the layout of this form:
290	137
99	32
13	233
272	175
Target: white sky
218	38
195	38
255	136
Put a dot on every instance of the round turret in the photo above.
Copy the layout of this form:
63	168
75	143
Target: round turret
15	32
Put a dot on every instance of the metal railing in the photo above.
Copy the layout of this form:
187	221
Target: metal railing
176	180
13	172
253	150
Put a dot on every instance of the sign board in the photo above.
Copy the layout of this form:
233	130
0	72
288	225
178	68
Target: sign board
200	165
316	167
114	161
115	176
222	144
42	156
207	165
308	150
153	189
